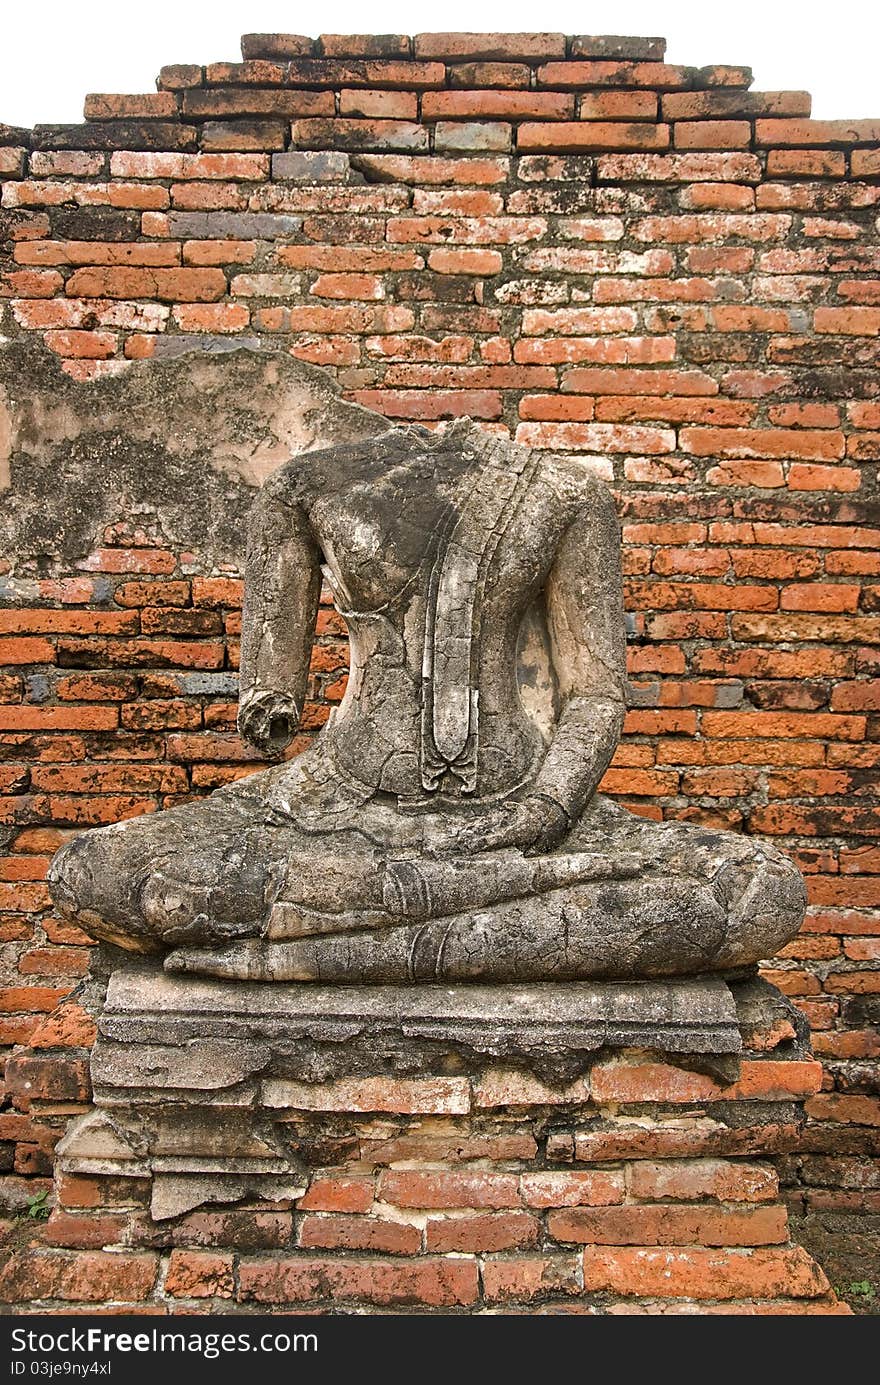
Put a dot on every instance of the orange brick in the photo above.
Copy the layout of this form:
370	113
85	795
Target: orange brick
338	1194
698	1272
695	1180
482	1233
442	1189
670	1225
342	1232
428	1281
167	285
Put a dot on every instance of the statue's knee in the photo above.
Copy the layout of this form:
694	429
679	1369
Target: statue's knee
70	878
93	879
766	898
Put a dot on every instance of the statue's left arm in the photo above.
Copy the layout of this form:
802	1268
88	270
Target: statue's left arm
584	605
584	609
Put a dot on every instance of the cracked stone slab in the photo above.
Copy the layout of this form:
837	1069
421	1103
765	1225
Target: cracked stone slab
198	1033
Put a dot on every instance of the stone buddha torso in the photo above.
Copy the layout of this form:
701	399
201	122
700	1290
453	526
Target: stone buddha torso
436	558
445	823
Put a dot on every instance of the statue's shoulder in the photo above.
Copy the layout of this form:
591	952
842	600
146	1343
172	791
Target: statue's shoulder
574	482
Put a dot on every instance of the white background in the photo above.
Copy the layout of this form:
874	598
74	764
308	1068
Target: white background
54	51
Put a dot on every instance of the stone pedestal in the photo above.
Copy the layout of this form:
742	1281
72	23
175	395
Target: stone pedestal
580	1148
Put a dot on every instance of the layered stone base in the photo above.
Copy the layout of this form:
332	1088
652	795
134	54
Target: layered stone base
590	1149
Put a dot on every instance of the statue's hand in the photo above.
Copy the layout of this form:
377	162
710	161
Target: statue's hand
268	720
533	824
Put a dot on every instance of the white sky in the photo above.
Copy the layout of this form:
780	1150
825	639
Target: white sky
55	52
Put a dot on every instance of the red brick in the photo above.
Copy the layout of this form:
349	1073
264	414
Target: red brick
338	1231
429	1189
88	1277
670	1225
83	1233
485	230
482	1233
712	134
364	45
427	1282
388	105
155	105
26	650
364	286
855	1110
199	1274
528	1277
58	718
847	321
516	105
568	1188
30	283
771	1080
219	252
591	135
698	1272
347	133
67	1027
85	345
490	47
783	724
644	382
623	74
618	105
809	132
424	404
167	285
864	1043
629	1082
338	1194
464	261
54	961
31	1077
177	76
212	317
696	1180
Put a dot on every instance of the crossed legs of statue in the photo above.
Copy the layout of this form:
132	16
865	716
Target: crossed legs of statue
225	893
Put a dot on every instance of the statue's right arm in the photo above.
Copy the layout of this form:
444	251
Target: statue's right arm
282	586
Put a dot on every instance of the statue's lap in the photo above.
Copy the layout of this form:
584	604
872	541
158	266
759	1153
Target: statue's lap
206	875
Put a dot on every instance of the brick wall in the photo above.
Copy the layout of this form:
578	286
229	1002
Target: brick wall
642	264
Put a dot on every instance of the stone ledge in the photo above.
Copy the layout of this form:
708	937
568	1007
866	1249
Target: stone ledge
179	1033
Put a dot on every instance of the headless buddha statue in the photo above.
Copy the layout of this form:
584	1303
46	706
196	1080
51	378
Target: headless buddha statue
444	825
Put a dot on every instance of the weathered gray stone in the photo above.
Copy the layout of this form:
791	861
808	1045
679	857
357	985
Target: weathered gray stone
323	166
180	444
185	343
95	1136
174	1194
444	825
162	1033
472	137
199	1064
233	225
